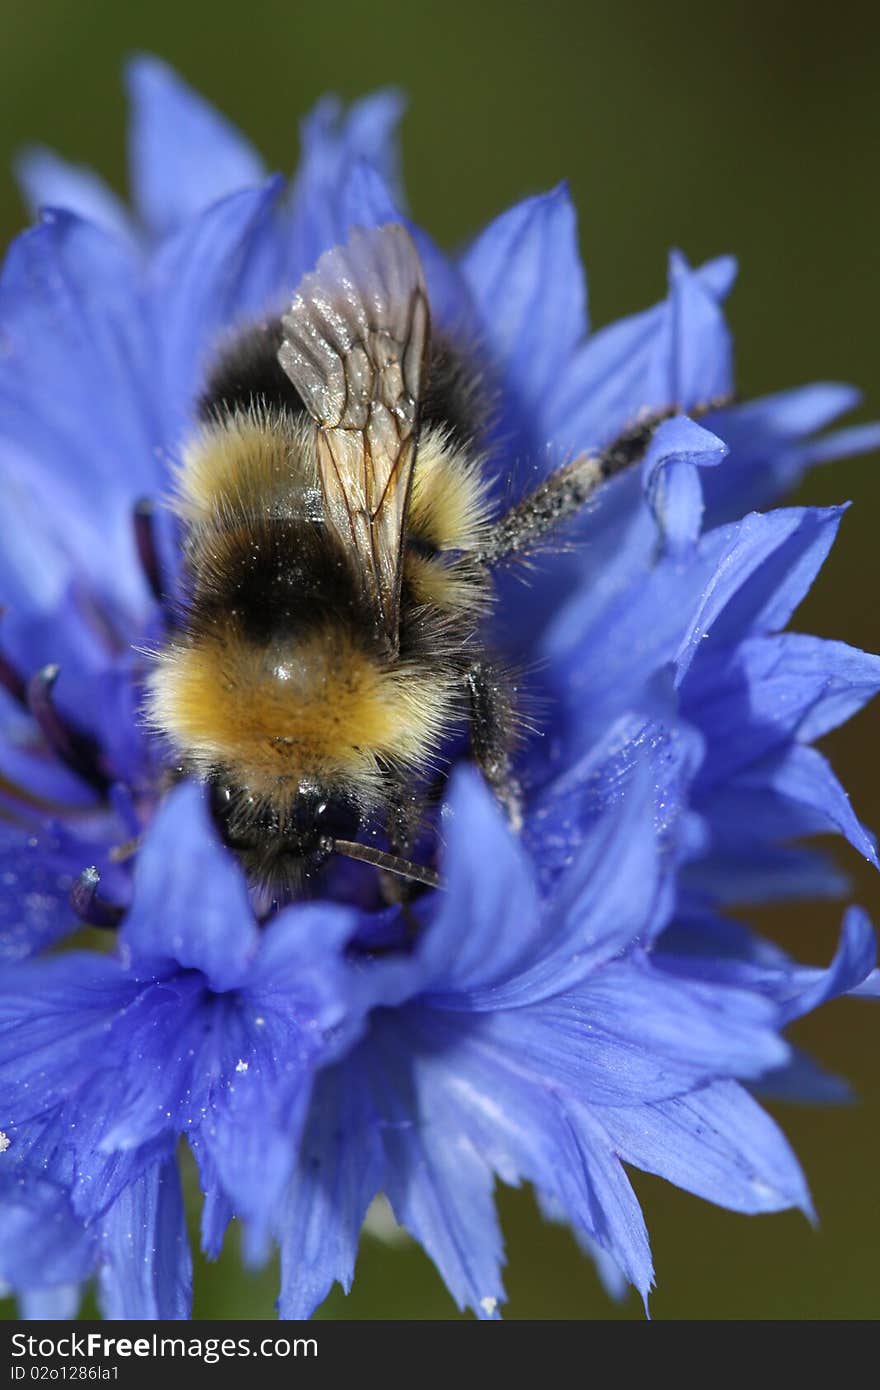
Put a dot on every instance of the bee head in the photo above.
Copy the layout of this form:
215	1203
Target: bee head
283	842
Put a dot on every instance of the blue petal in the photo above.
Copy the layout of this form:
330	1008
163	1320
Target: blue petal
235	1081
525	275
699	932
488	918
671	480
145	1270
299	1009
219	269
362	197
766	565
760	873
789	794
631	1033
254	1117
768	690
336	146
234	1071
55	1016
375	1127
717	1143
788	415
27	762
438	1183
191	906
184	155
305	976
614	1218
603	649
855	958
770	445
301	967
217	1210
610	819
869	988
605	900
606	542
186	1042
803	1082
697	364
51	1305
676	354
722	952
62	1145
341	1168
858	439
36	872
45	1245
72	317
524	1130
608	824
48	181
716	277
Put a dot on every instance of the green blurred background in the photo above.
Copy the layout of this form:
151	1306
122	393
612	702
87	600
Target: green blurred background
750	128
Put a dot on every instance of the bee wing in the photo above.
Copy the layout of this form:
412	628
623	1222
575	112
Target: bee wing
355	344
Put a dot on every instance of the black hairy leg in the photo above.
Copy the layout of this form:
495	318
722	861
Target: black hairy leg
561	496
493	733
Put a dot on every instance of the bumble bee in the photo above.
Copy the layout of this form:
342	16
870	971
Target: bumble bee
339	554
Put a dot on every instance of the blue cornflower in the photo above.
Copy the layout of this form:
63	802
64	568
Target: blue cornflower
530	1035
200	1025
574	999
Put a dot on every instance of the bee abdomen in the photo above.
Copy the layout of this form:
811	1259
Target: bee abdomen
275	577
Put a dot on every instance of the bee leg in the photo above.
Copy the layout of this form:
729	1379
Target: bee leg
492	727
561	496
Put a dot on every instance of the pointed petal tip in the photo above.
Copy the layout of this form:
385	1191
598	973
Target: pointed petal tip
141	62
717	276
184	154
559	193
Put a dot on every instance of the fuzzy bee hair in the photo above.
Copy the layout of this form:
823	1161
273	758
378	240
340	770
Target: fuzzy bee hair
276	676
339	548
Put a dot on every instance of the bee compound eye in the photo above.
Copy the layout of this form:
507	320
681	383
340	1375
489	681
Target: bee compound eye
335	817
220	801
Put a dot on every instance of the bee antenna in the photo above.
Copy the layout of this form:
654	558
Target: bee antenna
419	873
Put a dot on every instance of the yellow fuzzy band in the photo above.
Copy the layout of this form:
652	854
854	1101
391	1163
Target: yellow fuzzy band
321	707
